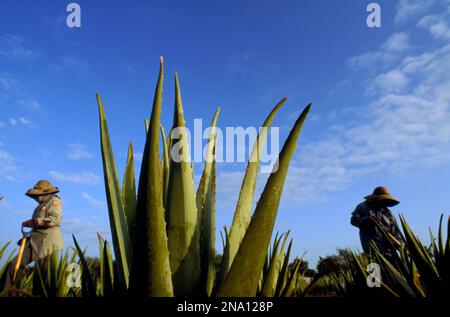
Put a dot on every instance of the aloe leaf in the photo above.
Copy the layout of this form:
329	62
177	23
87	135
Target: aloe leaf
394	277
88	286
290	285
108	275
129	192
205	201
425	266
268	288
150	269
101	277
242	279
242	215
206	175
284	271
117	218
165	166
147	125
208	235
183	234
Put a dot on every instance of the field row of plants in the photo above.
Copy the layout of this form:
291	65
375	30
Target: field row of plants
163	232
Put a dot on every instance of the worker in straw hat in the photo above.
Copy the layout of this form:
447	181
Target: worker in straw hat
45	236
374	213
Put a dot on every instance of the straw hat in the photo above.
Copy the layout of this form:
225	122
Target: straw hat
382	194
42	187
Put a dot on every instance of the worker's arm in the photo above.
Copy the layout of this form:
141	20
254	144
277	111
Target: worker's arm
52	217
28	223
361	217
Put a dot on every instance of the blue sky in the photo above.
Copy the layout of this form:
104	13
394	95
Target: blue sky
380	102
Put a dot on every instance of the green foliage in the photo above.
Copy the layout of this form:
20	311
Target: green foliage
174	231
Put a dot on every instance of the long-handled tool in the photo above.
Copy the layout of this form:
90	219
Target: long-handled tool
20	255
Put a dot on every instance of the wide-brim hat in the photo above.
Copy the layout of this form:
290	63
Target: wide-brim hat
42	187
382	194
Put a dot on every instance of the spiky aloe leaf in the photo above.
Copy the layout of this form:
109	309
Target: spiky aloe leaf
165	165
242	215
270	282
147	125
205	200
291	282
181	211
108	271
284	271
88	286
208	234
242	279
5	264
150	268
117	218
129	192
433	283
394	278
206	175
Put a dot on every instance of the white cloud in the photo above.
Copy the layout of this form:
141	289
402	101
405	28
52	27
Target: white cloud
409	9
85	231
29	104
397	42
388	54
8	167
70	62
97	203
24	121
77	151
2	124
436	25
404	129
20	120
393	81
82	178
15	47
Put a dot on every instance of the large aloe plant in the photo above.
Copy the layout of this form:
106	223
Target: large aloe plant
171	227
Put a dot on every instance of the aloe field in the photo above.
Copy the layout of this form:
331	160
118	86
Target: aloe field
163	231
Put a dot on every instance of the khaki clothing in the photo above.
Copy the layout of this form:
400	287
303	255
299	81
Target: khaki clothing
46	237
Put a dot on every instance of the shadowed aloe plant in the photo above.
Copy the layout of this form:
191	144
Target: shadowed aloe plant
414	271
164	238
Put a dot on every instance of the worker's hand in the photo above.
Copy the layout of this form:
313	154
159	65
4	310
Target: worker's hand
28	223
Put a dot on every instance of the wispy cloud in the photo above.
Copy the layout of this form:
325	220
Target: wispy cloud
239	63
20	121
85	231
78	151
8	166
389	53
29	104
97	203
402	130
70	62
437	25
409	9
82	178
16	47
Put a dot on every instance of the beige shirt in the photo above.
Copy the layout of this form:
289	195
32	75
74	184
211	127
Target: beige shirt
46	237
